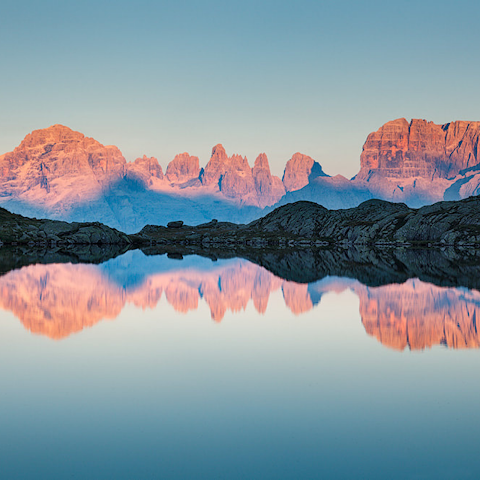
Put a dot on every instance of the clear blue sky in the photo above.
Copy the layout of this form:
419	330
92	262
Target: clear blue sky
163	77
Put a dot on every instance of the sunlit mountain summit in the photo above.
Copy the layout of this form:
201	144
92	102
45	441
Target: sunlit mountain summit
61	174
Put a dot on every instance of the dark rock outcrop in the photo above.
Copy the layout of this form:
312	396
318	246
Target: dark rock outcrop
373	222
18	230
175	224
377	221
300	223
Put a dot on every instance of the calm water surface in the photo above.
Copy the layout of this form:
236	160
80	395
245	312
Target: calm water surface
150	367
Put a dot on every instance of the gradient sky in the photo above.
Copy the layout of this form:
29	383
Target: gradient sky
163	77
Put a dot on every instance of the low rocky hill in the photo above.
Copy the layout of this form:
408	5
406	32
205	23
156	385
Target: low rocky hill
18	230
307	223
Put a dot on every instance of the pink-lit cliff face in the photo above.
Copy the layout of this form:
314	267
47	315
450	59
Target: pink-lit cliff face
59	169
59	300
236	180
299	170
269	187
150	166
216	166
183	168
56	170
400	149
144	170
61	174
56	152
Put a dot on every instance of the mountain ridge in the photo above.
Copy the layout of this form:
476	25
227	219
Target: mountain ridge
62	174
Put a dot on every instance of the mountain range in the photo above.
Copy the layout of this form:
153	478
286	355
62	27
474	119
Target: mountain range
60	174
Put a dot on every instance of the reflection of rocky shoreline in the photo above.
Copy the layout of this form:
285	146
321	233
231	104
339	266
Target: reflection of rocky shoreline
58	300
13	257
456	267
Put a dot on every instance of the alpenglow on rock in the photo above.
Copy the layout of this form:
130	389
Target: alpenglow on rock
60	174
236	180
299	171
53	153
270	189
215	167
400	149
183	168
144	170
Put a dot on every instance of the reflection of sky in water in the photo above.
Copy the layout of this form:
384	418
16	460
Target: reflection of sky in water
132	268
162	394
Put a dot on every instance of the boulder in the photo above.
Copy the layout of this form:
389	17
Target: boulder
175	224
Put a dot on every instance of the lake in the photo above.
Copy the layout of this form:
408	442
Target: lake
182	366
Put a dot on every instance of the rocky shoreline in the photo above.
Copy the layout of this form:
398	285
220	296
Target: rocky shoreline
300	224
307	224
18	230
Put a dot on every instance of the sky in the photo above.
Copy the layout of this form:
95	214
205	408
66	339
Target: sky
165	77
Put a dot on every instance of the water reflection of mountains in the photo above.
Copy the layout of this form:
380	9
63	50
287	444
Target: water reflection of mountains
408	298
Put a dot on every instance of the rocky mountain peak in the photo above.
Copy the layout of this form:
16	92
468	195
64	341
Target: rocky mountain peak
236	181
215	167
219	153
56	152
59	172
299	171
261	162
420	148
269	188
183	168
148	165
239	163
51	135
